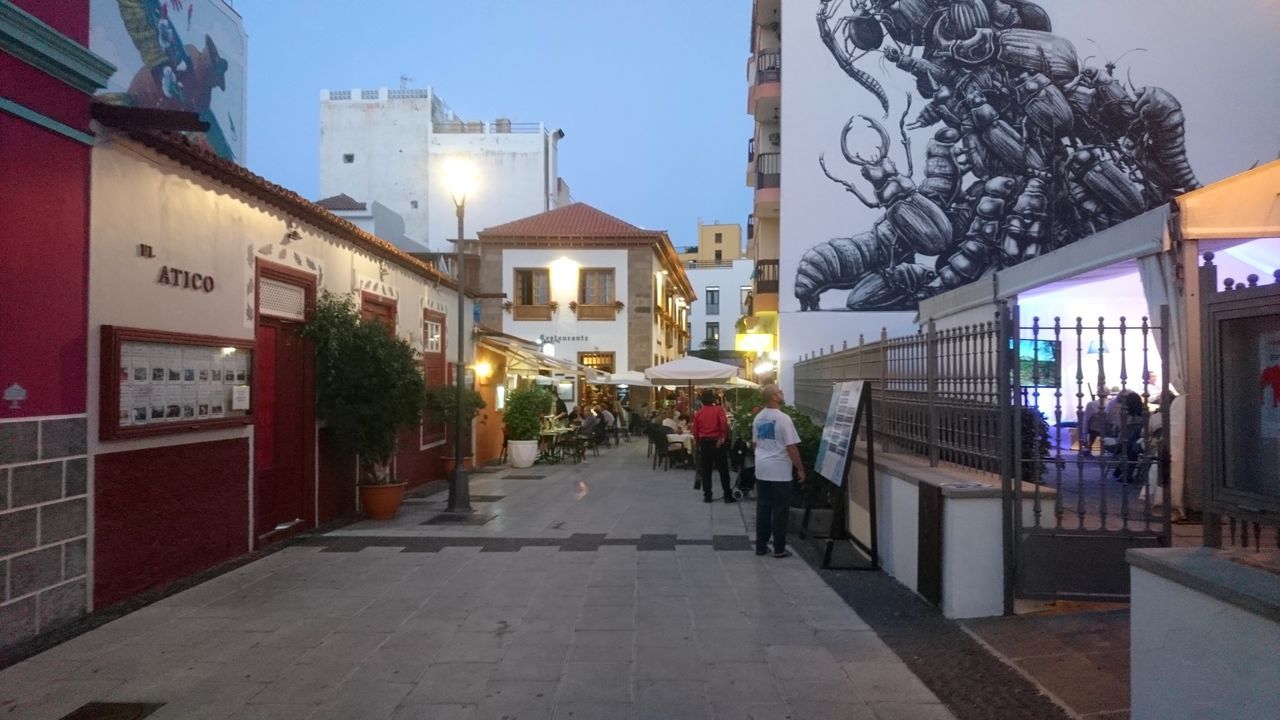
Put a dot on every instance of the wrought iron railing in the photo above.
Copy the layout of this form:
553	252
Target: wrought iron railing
937	394
766	276
768	170
768	66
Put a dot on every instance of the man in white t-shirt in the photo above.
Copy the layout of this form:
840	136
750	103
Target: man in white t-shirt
777	452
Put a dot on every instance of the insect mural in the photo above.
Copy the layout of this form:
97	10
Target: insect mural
1033	148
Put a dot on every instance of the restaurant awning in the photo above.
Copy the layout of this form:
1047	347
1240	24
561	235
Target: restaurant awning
524	355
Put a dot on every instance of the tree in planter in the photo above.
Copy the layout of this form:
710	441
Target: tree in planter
368	384
442	401
708	349
523	421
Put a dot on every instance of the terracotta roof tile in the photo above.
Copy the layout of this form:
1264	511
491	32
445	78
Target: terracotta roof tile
184	150
578	220
341	201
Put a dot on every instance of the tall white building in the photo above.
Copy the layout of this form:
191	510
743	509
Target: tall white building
387	146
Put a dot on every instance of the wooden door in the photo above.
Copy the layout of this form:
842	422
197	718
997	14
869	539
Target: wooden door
284	413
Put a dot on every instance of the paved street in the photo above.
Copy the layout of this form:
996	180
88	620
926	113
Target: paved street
601	590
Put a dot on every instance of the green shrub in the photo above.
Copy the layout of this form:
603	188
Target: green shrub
1035	445
523	416
441	403
368	383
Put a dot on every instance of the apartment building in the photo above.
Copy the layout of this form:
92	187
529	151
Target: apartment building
720	272
387	146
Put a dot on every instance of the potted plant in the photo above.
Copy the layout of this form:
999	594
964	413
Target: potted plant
573	305
523	419
442	403
368	387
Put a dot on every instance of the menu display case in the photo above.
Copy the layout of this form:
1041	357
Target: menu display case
156	382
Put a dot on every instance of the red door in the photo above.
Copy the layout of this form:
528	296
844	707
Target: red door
283	430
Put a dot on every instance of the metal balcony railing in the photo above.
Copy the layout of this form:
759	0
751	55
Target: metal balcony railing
768	170
766	276
768	66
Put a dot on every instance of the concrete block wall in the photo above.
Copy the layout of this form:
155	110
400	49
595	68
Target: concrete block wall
44	509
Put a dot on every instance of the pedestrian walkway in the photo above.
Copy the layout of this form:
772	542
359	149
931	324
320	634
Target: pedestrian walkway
600	590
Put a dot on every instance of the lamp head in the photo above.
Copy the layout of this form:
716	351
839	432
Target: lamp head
460	178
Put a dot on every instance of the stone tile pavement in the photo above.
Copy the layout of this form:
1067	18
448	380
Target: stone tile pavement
555	608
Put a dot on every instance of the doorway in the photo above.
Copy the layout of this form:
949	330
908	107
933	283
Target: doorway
284	412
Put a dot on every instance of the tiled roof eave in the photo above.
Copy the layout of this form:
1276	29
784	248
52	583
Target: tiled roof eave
224	171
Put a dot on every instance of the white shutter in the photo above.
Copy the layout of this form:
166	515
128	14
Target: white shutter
282	300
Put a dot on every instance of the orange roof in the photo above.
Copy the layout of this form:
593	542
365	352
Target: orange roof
578	220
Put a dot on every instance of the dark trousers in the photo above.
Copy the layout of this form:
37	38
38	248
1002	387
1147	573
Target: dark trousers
708	456
773	505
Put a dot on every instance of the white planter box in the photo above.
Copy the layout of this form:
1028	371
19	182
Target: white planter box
522	452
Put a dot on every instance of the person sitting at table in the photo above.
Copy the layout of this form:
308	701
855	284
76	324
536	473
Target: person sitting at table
669	421
589	423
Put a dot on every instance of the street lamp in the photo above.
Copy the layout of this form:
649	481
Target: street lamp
459	180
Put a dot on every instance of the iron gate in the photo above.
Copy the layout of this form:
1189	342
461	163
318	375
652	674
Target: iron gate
1073	506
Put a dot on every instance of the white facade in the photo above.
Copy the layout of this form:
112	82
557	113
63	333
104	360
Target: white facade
203	227
728	280
567	333
388	146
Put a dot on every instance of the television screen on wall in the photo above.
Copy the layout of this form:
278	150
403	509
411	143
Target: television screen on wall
1039	363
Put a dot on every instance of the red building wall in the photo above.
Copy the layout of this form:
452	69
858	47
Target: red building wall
44	222
69	17
165	513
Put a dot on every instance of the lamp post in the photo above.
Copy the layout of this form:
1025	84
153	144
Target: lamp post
460	179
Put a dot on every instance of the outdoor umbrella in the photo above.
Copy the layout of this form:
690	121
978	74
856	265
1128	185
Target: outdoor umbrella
690	369
628	377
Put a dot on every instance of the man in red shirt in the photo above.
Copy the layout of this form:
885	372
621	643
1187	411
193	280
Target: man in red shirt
711	432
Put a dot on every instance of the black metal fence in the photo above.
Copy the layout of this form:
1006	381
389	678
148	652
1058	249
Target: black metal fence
937	391
768	66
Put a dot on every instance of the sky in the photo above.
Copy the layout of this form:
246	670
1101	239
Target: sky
651	94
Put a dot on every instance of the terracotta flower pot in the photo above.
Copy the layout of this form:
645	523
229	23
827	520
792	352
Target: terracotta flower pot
468	463
381	502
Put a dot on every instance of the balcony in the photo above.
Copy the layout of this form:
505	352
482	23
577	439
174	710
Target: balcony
764	98
597	312
531	312
766	278
751	227
768	183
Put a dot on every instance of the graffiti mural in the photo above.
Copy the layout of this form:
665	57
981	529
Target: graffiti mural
177	55
1032	145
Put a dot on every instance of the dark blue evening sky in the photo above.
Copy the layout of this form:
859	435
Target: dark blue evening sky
651	94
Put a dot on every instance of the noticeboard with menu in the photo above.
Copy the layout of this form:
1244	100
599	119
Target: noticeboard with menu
156	382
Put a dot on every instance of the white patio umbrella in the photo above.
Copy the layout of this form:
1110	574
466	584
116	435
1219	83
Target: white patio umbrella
633	378
690	369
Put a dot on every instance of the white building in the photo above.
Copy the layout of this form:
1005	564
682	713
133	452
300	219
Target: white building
603	292
723	289
386	146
